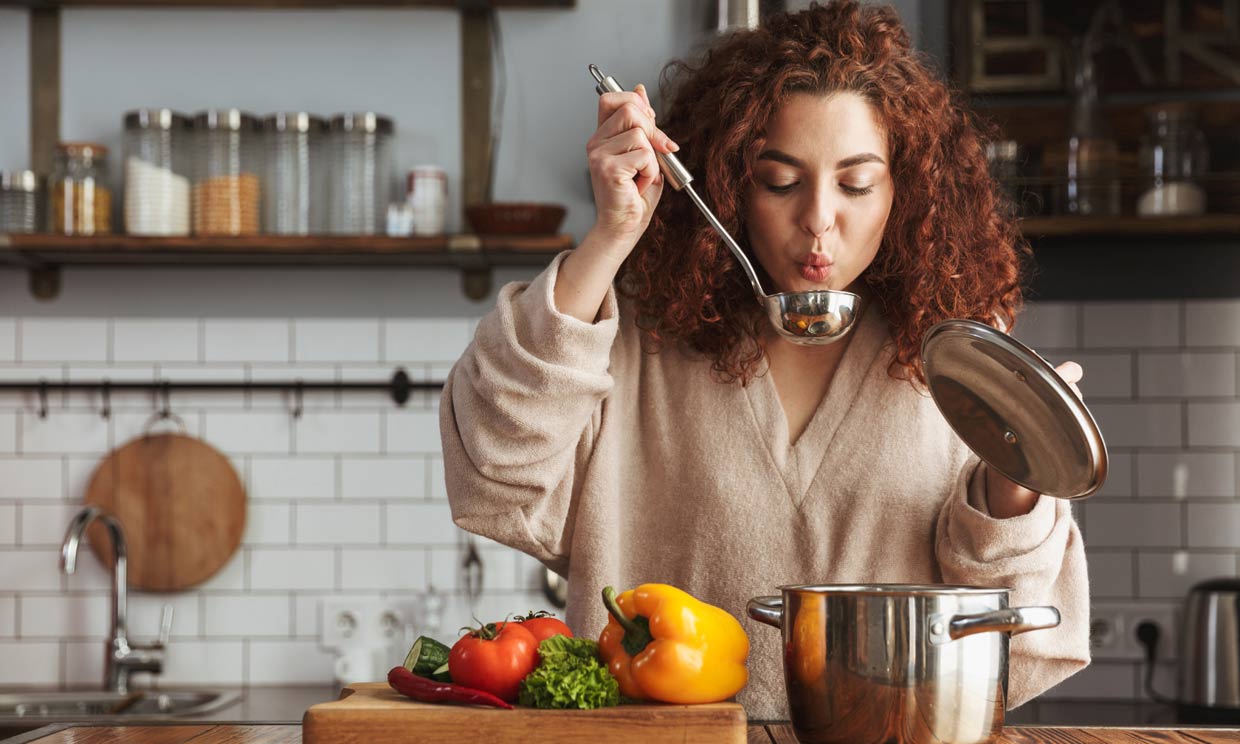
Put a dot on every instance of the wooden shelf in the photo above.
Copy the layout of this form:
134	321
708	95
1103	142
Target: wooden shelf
467	251
1128	226
475	255
242	4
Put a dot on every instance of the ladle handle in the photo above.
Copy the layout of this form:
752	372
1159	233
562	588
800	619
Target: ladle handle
677	175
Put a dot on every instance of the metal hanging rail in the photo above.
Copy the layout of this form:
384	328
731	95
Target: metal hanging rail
399	387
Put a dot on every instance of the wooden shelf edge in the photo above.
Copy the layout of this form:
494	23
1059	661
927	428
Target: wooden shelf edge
466	251
268	4
1209	225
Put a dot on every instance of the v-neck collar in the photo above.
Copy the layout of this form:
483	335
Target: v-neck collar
799	463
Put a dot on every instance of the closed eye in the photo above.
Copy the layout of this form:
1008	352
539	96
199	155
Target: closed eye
780	188
847	189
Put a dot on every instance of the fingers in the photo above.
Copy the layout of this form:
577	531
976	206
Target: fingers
1070	372
618	112
641	91
640	163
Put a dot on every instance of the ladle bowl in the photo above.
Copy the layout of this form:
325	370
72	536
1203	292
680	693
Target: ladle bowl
812	318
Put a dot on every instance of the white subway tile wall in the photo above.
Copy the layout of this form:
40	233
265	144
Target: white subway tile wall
8	524
8	340
8	616
347	502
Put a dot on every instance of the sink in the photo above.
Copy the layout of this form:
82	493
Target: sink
112	706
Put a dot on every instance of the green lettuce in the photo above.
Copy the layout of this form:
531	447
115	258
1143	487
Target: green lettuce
570	675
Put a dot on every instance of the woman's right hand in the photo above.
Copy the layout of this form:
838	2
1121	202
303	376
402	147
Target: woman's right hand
624	171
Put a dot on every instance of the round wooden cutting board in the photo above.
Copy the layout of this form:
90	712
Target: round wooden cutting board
181	504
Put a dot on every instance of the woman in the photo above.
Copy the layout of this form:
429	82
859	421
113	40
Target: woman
629	416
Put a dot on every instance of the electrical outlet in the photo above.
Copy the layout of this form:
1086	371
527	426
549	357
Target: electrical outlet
356	623
1164	616
1106	632
341	624
1113	630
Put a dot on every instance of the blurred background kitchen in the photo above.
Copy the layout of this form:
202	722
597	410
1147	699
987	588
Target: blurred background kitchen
278	196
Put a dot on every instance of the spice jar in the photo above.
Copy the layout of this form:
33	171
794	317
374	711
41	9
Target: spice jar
361	147
295	180
79	200
427	194
226	193
157	172
1172	159
19	202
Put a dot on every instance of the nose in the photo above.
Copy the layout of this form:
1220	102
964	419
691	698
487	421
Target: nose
818	216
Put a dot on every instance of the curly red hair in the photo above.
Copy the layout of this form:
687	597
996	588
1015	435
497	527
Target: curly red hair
949	250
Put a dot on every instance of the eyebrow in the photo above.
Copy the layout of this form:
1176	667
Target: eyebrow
780	156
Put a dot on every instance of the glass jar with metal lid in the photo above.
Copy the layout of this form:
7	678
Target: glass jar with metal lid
1173	159
157	172
295	177
361	161
79	199
19	202
227	186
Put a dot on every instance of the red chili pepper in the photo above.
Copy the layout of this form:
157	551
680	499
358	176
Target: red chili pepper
429	691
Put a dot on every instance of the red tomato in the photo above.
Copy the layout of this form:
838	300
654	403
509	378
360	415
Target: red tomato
543	625
494	658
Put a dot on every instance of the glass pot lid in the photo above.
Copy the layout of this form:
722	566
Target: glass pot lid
1013	410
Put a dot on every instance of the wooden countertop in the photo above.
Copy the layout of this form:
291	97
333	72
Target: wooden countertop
758	734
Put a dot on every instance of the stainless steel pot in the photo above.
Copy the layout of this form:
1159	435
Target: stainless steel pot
895	663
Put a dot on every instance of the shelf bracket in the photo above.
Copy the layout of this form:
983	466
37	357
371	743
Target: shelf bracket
45	282
477	87
466	251
476	283
44	87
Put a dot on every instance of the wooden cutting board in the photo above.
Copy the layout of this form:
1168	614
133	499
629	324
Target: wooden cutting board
181	504
373	712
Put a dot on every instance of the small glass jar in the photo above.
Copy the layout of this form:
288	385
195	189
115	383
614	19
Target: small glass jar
1001	159
427	193
227	188
79	200
295	180
19	202
1172	159
361	181
157	172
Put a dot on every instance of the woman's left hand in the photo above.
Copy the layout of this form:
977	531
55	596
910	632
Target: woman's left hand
1007	498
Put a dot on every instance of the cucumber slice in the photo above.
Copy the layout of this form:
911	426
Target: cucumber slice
441	674
426	656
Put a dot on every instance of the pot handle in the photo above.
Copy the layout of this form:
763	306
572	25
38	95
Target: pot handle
947	628
769	610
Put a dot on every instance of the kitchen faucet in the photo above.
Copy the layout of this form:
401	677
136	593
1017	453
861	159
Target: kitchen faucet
121	657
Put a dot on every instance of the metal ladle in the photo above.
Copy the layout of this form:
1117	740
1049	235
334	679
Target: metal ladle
812	318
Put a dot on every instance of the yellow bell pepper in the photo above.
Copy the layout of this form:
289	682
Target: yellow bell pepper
662	644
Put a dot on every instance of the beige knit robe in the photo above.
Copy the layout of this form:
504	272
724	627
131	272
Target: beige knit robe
613	466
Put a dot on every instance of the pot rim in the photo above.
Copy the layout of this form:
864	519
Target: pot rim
895	589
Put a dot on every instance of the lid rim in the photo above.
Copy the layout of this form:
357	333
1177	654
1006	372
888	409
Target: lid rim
366	122
227	120
1038	368
19	180
301	122
886	589
165	119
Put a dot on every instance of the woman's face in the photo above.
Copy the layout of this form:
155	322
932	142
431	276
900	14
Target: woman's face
821	192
